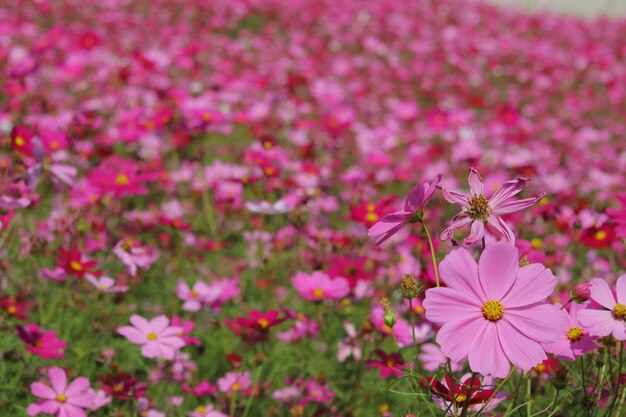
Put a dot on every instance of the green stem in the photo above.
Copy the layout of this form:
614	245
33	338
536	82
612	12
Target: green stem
432	253
412	318
468	395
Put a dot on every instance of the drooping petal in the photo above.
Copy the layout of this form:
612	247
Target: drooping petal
459	270
447	304
523	352
456	337
43	391
486	355
58	379
543	323
507	190
601	293
620	288
454	197
475	182
456	224
534	284
497	269
515	205
598	323
389	233
500	227
477	231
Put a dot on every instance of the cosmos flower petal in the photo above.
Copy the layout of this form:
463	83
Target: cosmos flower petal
151	350
456	337
454	197
77	386
602	294
477	231
500	227
447	304
133	334
459	270
497	269
620	289
543	323
84	400
507	190
523	352
58	379
516	205
43	391
486	355
159	323
534	284
140	323
597	322
475	183
458	223
389	233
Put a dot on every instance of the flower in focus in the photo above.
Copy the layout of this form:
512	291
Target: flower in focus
611	319
61	399
319	286
493	312
413	210
479	211
157	338
44	344
574	340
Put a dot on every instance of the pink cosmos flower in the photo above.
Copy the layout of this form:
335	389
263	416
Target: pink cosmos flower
414	204
432	358
234	382
612	318
493	312
319	286
478	211
61	399
349	346
574	340
43	343
196	296
206	411
106	284
134	256
157	338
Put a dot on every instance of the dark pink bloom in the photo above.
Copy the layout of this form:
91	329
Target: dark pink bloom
61	399
43	343
319	286
413	210
478	211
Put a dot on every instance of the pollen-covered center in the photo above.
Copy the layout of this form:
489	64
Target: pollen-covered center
478	207
575	334
460	399
619	312
61	398
493	310
152	336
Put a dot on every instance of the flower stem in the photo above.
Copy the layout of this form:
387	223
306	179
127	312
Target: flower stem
432	253
412	318
468	395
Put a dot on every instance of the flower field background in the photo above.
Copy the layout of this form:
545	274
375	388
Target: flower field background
310	208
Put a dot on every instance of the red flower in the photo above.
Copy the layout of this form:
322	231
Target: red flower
15	306
22	140
453	391
388	365
598	237
369	213
122	386
74	264
261	321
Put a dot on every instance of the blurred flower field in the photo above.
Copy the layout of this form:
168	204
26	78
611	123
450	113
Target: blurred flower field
310	208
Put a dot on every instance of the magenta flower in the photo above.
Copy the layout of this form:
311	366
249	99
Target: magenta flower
61	399
574	340
134	256
157	338
493	312
414	204
234	382
43	343
319	286
611	319
479	211
198	295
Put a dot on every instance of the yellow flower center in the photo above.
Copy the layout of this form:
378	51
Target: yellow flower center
201	409
460	399
536	243
54	145
152	336
493	310
236	387
478	207
19	141
194	294
263	323
61	398
269	171
12	309
574	334
371	217
619	312
318	293
121	179
600	235
76	266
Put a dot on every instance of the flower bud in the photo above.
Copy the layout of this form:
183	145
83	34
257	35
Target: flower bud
410	288
390	316
581	292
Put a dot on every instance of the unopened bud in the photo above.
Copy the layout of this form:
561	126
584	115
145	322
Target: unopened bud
390	316
409	287
581	292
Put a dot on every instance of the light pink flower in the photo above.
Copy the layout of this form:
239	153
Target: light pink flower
134	256
414	204
198	295
61	399
612	318
478	211
106	284
319	286
432	358
234	382
206	411
157	338
574	340
349	346
493	312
